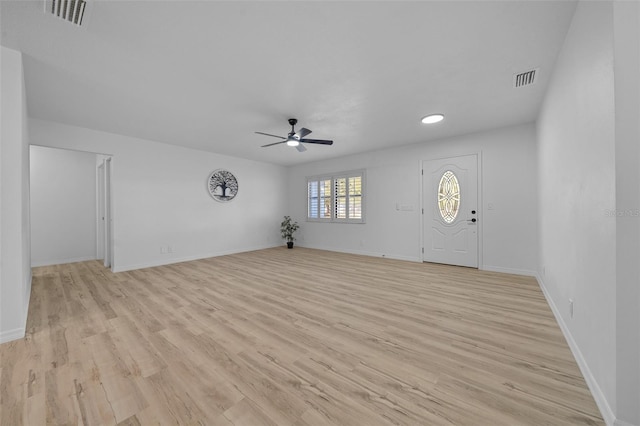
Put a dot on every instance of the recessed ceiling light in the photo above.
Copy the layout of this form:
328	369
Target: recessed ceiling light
433	118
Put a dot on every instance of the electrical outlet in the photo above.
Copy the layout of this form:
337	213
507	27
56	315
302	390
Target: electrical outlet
163	250
169	249
571	308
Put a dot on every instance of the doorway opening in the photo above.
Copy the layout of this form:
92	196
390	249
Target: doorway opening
104	237
70	202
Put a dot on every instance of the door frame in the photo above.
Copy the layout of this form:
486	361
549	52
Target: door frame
108	210
105	249
100	217
480	207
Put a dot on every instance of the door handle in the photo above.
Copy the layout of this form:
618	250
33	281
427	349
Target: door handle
472	220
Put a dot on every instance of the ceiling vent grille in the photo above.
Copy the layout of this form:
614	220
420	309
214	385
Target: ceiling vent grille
526	78
69	10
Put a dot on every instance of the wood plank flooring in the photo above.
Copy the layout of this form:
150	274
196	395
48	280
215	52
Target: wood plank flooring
290	337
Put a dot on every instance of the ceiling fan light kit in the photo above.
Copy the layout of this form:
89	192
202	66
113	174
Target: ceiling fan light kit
296	139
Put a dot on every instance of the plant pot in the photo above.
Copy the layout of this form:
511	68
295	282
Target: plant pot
290	244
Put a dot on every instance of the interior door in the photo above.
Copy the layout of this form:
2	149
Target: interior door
450	210
108	232
100	217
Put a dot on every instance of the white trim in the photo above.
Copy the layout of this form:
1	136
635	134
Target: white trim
364	253
19	333
99	211
9	335
61	261
109	250
172	260
513	271
596	392
27	298
421	186
618	422
480	209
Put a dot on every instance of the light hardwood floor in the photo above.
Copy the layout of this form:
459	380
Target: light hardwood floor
290	337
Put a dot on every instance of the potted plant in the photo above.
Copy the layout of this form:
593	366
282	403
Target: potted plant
287	228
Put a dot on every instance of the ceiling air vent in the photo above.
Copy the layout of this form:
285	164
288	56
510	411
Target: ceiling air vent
526	78
69	10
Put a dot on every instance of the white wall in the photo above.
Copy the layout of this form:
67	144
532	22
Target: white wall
160	198
627	127
15	270
63	206
509	241
577	184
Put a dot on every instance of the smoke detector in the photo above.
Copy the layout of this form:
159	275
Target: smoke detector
526	78
72	11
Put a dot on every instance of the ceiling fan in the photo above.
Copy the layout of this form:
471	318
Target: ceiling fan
296	138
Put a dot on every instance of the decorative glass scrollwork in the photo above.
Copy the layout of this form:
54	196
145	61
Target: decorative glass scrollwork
449	196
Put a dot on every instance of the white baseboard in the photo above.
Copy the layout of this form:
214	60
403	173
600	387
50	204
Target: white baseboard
9	335
602	403
364	253
513	271
27	297
622	423
35	264
18	333
172	260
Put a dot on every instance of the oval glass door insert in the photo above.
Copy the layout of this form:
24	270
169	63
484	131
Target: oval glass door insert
448	196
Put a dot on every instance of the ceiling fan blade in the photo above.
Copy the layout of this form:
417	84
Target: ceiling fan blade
303	132
301	148
271	144
318	141
268	134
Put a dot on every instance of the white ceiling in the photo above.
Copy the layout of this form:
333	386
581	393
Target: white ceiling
208	74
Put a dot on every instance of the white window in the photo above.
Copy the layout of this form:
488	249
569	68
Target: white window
319	199
337	198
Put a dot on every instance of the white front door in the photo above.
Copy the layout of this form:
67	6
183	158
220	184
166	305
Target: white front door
450	210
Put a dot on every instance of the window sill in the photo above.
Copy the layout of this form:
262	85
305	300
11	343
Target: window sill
352	221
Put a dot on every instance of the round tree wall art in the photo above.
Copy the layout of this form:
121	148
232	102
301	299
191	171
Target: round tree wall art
222	185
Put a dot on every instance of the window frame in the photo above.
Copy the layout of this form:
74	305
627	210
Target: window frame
333	178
